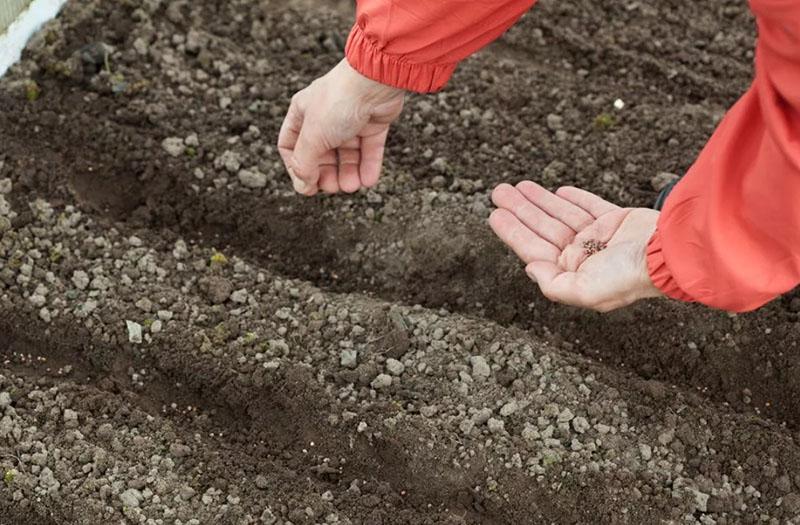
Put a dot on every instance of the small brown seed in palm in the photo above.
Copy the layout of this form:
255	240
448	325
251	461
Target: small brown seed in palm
593	246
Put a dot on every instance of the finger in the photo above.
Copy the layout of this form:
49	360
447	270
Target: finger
555	206
329	158
309	150
556	284
290	130
301	187
329	179
508	197
589	202
526	244
349	179
372	151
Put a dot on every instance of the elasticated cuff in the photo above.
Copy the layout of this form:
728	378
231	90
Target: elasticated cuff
394	70
660	274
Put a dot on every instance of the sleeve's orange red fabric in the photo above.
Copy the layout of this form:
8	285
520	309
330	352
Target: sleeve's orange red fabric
729	235
417	44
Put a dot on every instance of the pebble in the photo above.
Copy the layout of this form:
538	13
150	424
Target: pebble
661	180
217	289
134	332
179	450
645	451
239	296
382	381
580	424
80	279
480	368
349	358
261	482
565	416
252	178
173	146
509	408
131	498
665	438
496	426
395	367
5	399
482	416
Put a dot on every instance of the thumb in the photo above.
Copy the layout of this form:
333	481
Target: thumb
304	166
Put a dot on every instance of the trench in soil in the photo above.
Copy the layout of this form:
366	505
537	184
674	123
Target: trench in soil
258	429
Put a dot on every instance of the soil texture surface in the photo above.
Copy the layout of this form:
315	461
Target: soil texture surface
185	341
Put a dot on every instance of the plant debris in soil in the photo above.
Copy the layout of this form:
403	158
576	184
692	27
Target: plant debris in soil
185	341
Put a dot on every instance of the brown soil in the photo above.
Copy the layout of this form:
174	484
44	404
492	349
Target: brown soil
350	382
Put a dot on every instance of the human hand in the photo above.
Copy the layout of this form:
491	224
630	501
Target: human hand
334	135
579	248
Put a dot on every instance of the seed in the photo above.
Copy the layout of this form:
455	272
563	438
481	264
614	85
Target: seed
593	246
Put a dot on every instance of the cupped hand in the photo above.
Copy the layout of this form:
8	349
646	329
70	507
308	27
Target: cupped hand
334	134
580	249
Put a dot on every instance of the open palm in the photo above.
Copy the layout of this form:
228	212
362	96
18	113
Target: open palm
579	248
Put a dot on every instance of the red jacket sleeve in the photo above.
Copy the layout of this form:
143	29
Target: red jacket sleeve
417	44
729	235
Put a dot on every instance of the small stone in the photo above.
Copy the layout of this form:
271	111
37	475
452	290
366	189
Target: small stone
555	122
216	289
179	450
665	438
5	399
252	178
80	279
429	411
440	164
661	180
131	498
186	493
565	416
496	426
144	304
482	416
645	451
509	408
5	186
791	503
173	146
239	296
229	160
261	482
395	367
480	368
700	500
466	426
382	381
619	104
530	433
134	332
580	424
349	358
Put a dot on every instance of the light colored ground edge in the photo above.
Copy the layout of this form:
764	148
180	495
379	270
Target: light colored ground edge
17	34
10	10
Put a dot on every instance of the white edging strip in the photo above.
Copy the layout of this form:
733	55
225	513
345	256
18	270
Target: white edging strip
13	41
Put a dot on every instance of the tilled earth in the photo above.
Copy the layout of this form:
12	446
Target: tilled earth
185	341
